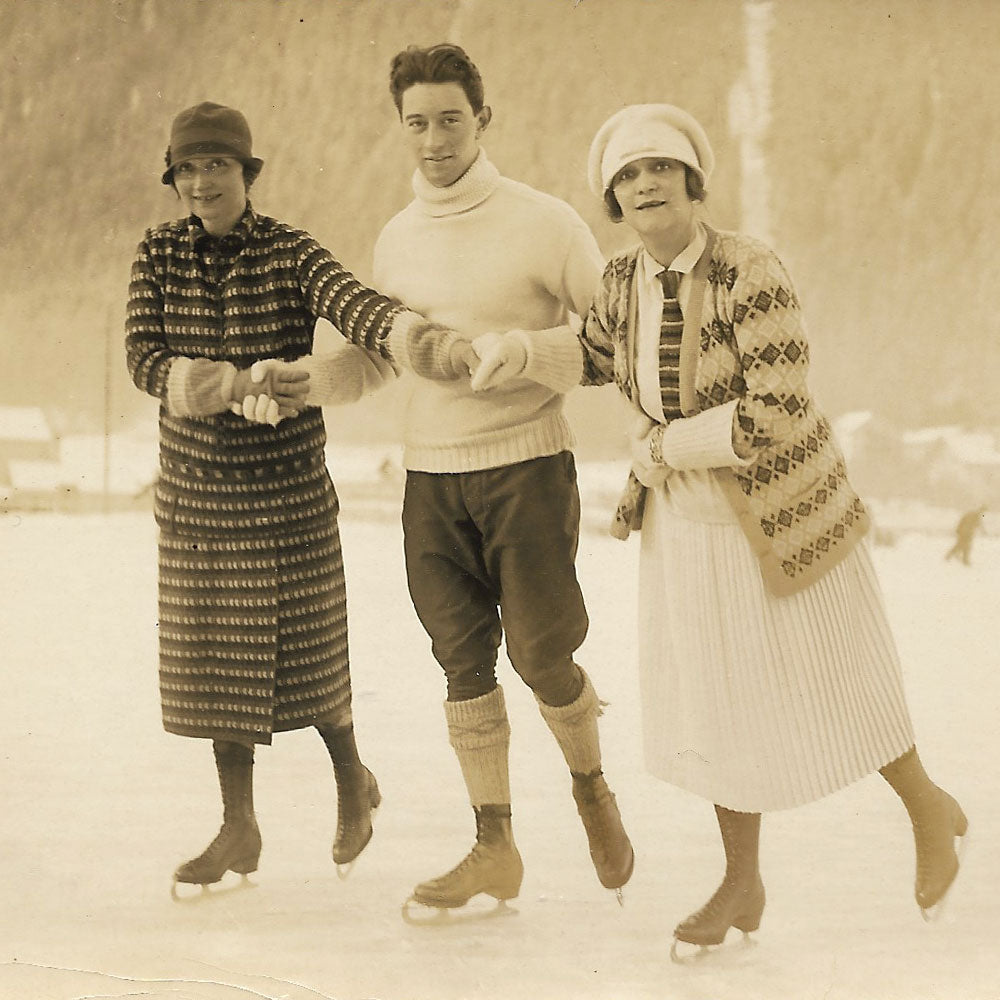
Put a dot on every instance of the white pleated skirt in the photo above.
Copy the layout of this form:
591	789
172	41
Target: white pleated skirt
757	702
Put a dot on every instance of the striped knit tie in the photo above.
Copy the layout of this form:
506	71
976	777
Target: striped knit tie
671	328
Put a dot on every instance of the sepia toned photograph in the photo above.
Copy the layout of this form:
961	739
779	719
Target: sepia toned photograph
500	500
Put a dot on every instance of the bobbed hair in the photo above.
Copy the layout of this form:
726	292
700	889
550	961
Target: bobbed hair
693	184
251	171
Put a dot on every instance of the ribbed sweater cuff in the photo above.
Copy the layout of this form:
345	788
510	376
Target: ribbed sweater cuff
199	387
422	346
554	357
334	379
704	441
399	336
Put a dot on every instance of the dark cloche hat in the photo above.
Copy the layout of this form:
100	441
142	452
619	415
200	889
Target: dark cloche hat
208	129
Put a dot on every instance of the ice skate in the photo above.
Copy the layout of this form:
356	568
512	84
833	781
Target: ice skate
493	868
730	906
935	834
610	848
356	805
236	848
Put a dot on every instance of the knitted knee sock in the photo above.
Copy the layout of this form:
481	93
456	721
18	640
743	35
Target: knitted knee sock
575	728
479	732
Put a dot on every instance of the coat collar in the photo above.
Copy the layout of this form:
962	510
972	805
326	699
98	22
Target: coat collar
235	239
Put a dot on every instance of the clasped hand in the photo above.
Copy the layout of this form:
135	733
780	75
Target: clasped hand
269	391
646	444
501	357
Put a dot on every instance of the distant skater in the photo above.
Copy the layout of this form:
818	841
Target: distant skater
965	531
768	672
252	597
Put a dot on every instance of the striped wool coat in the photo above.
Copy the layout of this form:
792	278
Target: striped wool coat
253	617
744	340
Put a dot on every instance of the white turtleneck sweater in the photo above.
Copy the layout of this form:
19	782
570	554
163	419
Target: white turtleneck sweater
488	254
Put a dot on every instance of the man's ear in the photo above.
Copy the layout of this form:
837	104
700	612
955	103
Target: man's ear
483	119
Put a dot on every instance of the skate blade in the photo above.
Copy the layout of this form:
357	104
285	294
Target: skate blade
934	913
681	955
344	869
194	892
477	909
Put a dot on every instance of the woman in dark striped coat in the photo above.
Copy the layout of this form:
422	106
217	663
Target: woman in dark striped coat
253	617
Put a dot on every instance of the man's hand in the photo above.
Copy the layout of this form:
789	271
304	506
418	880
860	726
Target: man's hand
463	358
501	358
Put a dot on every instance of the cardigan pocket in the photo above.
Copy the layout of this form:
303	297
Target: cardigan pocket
164	505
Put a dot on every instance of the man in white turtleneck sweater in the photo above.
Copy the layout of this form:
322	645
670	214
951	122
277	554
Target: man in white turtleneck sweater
491	509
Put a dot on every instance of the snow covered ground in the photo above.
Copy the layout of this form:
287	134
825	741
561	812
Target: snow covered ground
99	805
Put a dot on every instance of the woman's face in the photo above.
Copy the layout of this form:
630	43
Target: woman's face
441	130
212	187
652	194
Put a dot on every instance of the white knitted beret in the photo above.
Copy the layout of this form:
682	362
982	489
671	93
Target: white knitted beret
641	130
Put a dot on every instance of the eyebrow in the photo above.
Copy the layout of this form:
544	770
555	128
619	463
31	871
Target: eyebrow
446	111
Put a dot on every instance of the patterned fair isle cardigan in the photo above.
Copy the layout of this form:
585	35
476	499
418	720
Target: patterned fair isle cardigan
743	340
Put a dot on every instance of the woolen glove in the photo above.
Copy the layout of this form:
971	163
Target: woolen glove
501	358
376	371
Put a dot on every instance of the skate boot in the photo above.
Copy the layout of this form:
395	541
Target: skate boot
574	726
236	848
731	905
937	821
739	900
610	848
935	831
358	797
237	845
493	866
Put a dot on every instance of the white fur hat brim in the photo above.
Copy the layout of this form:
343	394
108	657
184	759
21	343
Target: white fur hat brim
647	130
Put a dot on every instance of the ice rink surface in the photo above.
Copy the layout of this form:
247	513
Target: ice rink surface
100	805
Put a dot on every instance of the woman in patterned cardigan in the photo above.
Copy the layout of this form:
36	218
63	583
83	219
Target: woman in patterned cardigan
768	669
253	614
768	672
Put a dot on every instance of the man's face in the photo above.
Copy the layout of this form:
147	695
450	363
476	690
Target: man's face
441	130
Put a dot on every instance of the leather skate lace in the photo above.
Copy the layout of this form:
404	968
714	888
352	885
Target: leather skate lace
362	794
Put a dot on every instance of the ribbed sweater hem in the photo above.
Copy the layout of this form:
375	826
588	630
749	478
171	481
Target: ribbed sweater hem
506	446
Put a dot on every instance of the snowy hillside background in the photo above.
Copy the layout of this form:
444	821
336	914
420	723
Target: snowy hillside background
855	135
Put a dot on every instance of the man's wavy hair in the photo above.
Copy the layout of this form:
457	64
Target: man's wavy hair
444	63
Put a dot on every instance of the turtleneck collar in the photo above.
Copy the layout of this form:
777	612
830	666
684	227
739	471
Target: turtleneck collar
470	190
